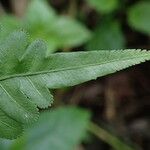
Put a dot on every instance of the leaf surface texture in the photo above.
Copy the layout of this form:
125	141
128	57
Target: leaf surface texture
27	73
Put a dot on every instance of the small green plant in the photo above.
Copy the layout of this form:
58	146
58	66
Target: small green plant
27	73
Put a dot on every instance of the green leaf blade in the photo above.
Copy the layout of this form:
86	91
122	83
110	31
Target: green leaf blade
30	73
9	128
15	103
36	91
60	129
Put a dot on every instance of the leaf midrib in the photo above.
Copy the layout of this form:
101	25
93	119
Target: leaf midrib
74	68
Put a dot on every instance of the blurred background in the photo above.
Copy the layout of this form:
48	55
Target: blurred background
112	112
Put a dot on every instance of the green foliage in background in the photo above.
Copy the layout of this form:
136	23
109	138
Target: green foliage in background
41	21
104	6
7	25
64	32
139	16
60	129
59	31
108	35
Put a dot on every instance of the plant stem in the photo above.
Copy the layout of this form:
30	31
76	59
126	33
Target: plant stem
107	137
73	8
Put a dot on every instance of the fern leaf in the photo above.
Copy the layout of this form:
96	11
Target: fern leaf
27	74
